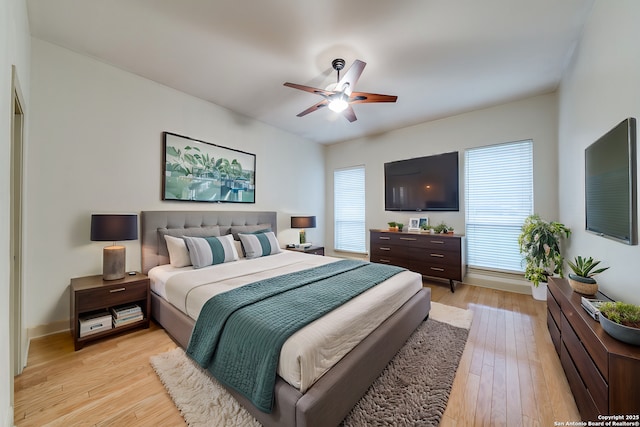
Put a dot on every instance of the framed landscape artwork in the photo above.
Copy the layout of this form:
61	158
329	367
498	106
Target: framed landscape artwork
198	171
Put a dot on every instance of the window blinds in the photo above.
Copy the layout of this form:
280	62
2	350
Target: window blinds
498	198
349	209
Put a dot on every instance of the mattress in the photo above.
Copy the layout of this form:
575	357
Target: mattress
314	349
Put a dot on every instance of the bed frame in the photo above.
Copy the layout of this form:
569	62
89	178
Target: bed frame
333	396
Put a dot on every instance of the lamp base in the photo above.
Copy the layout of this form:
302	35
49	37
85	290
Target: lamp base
113	262
303	236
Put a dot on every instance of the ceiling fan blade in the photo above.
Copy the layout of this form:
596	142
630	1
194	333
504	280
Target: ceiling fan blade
349	114
351	77
364	97
313	108
310	89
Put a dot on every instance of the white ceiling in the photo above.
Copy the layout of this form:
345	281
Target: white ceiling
440	57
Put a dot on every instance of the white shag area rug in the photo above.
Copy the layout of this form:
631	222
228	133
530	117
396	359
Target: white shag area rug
425	371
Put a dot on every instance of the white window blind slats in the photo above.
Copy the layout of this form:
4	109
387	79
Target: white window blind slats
349	209
498	198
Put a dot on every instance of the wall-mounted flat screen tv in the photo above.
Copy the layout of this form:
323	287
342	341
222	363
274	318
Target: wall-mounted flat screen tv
422	184
610	184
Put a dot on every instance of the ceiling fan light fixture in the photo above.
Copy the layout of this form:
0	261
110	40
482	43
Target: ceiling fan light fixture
339	103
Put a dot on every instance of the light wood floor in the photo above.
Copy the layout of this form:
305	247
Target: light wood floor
509	374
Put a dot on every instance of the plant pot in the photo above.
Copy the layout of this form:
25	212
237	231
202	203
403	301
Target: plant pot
583	285
620	332
539	292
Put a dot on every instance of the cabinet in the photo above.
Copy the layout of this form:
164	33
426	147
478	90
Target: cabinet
436	255
603	373
91	293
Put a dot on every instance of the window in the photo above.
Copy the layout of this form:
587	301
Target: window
349	213
498	198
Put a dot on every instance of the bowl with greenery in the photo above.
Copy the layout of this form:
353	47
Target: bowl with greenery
581	280
621	321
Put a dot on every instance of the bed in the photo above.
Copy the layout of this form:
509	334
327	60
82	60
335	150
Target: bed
323	400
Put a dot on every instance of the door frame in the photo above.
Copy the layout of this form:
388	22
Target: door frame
16	288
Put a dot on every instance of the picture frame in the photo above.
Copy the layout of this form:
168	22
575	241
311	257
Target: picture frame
199	171
424	221
414	224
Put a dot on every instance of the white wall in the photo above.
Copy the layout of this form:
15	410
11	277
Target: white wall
600	88
96	146
14	50
532	118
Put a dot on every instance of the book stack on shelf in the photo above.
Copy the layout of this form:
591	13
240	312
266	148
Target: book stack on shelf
592	306
126	314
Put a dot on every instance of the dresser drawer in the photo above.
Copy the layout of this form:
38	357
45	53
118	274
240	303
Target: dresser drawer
427	241
582	331
99	297
588	371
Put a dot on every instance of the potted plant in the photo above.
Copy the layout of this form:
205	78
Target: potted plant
392	226
441	228
400	226
539	241
621	321
581	280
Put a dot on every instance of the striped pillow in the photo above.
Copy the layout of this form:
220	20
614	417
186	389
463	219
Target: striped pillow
205	251
259	244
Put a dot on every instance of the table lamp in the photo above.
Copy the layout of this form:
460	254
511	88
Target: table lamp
303	222
114	227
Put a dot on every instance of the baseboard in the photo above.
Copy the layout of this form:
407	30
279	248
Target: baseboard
497	280
48	329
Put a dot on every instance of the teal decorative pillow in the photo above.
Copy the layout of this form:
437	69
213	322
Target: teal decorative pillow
259	244
205	251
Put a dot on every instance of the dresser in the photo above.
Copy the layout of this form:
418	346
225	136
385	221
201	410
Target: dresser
603	373
435	255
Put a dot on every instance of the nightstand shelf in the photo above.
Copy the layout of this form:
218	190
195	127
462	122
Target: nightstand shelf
92	293
313	250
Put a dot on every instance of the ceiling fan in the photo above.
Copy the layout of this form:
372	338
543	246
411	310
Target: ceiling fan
340	97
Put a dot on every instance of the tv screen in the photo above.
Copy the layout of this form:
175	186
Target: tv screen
422	184
610	184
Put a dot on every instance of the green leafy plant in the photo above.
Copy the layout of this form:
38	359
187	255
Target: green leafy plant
441	228
584	267
425	227
622	313
399	225
392	224
539	241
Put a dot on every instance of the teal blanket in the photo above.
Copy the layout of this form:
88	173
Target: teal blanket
239	334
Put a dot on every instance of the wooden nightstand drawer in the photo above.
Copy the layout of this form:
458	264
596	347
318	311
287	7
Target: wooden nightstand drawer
111	295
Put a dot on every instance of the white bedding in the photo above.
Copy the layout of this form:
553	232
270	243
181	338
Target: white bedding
314	349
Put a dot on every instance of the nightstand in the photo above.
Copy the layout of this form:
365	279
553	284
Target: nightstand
313	250
91	293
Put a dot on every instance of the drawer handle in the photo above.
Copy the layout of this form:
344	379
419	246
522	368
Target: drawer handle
384	260
117	290
440	242
411	239
385	249
437	268
437	255
385	238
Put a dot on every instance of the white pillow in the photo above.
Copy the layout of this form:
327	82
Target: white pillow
259	244
178	252
205	251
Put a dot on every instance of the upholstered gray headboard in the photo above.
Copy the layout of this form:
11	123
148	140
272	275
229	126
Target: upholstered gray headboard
156	224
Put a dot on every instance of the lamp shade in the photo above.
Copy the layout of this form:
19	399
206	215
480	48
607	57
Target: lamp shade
303	222
114	227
